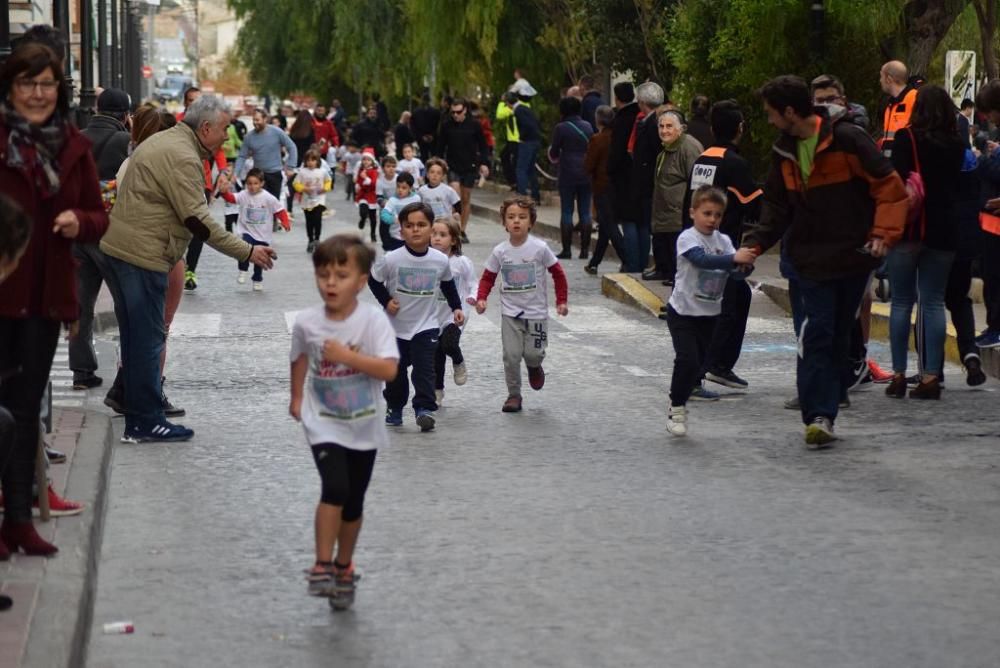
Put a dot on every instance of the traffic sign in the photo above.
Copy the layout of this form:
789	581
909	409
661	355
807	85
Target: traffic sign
147	72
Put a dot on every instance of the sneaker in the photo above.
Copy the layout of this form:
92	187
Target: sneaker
988	339
819	434
190	280
321	582
87	382
115	399
677	421
54	456
311	247
700	393
974	370
461	374
438	397
344	585
727	378
793	403
164	432
58	506
536	377
512	405
425	419
241	277
878	374
590	270
258	286
394	417
168	408
862	375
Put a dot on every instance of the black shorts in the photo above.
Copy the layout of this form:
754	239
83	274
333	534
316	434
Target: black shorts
344	474
467	179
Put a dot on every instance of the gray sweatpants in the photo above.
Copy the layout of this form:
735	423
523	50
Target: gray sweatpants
522	339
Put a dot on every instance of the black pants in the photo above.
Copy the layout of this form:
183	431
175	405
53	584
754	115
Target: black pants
426	150
448	346
272	184
27	346
92	270
956	300
730	327
690	335
508	163
607	230
231	219
665	253
368	214
989	263
196	245
344	474
417	352
314	222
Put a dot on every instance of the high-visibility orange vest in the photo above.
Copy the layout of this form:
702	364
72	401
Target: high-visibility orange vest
897	117
990	223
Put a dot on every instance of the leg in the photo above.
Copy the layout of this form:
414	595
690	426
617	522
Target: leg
533	173
449	344
82	359
536	340
422	349
331	462
990	264
684	335
932	279
567	194
231	219
194	254
360	465
175	289
523	167
902	266
662	261
465	192
956	299
630	241
373	222
258	271
398	389
512	339
604	221
730	327
439	364
818	373
645	224
586	225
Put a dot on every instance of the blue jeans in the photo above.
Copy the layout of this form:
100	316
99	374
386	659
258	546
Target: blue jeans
636	238
258	271
918	274
527	178
574	194
829	309
139	305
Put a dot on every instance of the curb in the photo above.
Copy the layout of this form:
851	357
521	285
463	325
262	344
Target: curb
61	624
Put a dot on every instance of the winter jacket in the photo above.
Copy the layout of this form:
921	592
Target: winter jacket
403	136
110	142
588	107
595	163
853	195
620	162
462	145
425	121
700	128
505	119
325	133
231	147
366	186
161	205
528	128
367	133
722	166
673	170
44	284
645	153
568	148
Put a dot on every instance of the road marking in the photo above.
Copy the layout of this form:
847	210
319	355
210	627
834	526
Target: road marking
639	372
196	324
756	325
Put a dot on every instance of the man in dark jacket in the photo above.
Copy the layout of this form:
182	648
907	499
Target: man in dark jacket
590	101
109	145
425	121
367	132
530	141
646	147
620	167
843	206
463	146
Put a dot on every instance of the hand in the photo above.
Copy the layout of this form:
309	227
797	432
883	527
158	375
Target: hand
263	256
223	183
67	224
335	352
481	306
459	317
392	308
877	247
295	408
992	146
484	171
289	172
471	301
993	204
562	309
744	256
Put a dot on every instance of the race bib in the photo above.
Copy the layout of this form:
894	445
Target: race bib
344	397
417	281
256	215
518	277
710	285
702	175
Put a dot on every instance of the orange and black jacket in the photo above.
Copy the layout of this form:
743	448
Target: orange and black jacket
722	166
853	194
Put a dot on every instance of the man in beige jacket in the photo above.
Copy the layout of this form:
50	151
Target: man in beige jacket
160	207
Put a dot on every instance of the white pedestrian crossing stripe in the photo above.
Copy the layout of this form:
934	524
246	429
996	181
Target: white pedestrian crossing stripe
196	324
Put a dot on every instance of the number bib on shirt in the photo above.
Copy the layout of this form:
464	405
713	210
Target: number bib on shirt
518	277
711	284
344	397
417	281
256	215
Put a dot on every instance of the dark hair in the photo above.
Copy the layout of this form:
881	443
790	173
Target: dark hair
389	160
967	104
569	106
624	92
257	173
415	207
522	201
788	91
148	120
708	193
586	81
726	117
988	98
406	178
457	101
340	249
312	154
189	89
699	106
302	127
30	60
45	34
934	113
282	123
827	81
15	228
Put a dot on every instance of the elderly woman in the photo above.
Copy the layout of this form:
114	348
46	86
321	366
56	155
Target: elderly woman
47	169
568	149
673	171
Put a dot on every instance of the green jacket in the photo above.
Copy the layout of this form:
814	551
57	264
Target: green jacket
161	205
673	171
505	117
231	147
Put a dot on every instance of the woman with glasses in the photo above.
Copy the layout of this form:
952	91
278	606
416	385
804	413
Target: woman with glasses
47	169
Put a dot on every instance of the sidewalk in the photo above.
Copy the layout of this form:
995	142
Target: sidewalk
651	295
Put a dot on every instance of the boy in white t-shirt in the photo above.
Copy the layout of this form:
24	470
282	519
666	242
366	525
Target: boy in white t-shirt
437	194
342	353
389	230
521	263
349	163
406	281
705	260
412	165
386	185
258	209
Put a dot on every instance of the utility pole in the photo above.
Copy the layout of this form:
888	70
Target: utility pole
4	30
87	97
103	59
116	49
817	33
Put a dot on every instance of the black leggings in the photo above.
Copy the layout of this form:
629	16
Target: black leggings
345	474
368	214
314	222
448	346
231	219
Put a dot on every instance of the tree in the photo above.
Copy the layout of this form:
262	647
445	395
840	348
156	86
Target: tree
986	13
925	24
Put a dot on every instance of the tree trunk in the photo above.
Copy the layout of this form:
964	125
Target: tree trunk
987	15
925	23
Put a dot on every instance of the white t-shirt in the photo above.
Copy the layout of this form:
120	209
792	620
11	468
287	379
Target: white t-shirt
414	281
385	188
257	214
441	198
351	163
465	282
312	180
698	292
390	213
414	168
523	278
342	405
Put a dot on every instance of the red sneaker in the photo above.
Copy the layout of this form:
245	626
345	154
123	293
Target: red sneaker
879	375
536	377
58	506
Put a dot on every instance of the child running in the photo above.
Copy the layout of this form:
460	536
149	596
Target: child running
342	353
705	260
406	281
313	182
521	262
350	160
446	236
258	209
437	194
387	180
366	191
389	230
412	165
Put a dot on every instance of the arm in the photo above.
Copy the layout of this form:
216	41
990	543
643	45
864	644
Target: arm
381	368
228	196
484	149
485	287
283	219
891	200
221	163
699	258
293	153
298	379
775	216
555	146
379	290
450	293
561	286
186	195
242	157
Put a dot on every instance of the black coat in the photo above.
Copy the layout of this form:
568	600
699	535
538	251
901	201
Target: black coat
109	144
366	132
403	135
620	162
425	121
644	153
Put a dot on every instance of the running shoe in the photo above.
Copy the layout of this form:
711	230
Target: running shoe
974	370
590	269
465	238
86	382
677	421
190	280
819	434
168	408
164	432
861	375
727	378
512	405
241	277
438	397
55	456
461	374
425	419
701	393
258	286
58	506
988	339
878	374
344	585
536	377
394	417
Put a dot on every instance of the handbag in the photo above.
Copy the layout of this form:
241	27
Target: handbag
916	193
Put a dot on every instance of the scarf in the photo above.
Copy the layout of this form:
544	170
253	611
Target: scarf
33	149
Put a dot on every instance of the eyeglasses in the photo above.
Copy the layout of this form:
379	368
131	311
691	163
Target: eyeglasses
457	113
28	86
828	99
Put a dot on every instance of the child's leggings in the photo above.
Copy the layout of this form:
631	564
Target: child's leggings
314	222
448	346
344	474
258	271
368	214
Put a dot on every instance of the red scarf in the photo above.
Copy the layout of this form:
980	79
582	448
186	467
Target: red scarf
631	138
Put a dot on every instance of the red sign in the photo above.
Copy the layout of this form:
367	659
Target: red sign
147	72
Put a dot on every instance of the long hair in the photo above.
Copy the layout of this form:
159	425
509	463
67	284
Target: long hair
148	120
934	114
302	127
30	59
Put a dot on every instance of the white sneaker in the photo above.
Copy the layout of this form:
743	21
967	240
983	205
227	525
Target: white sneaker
461	374
258	286
677	421
438	396
241	278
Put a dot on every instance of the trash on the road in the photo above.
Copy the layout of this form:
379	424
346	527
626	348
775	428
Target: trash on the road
119	627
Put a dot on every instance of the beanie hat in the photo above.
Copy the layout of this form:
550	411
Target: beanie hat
113	101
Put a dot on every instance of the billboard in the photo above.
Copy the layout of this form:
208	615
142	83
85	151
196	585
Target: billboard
960	75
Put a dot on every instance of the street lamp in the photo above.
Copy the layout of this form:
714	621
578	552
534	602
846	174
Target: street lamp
817	16
87	96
